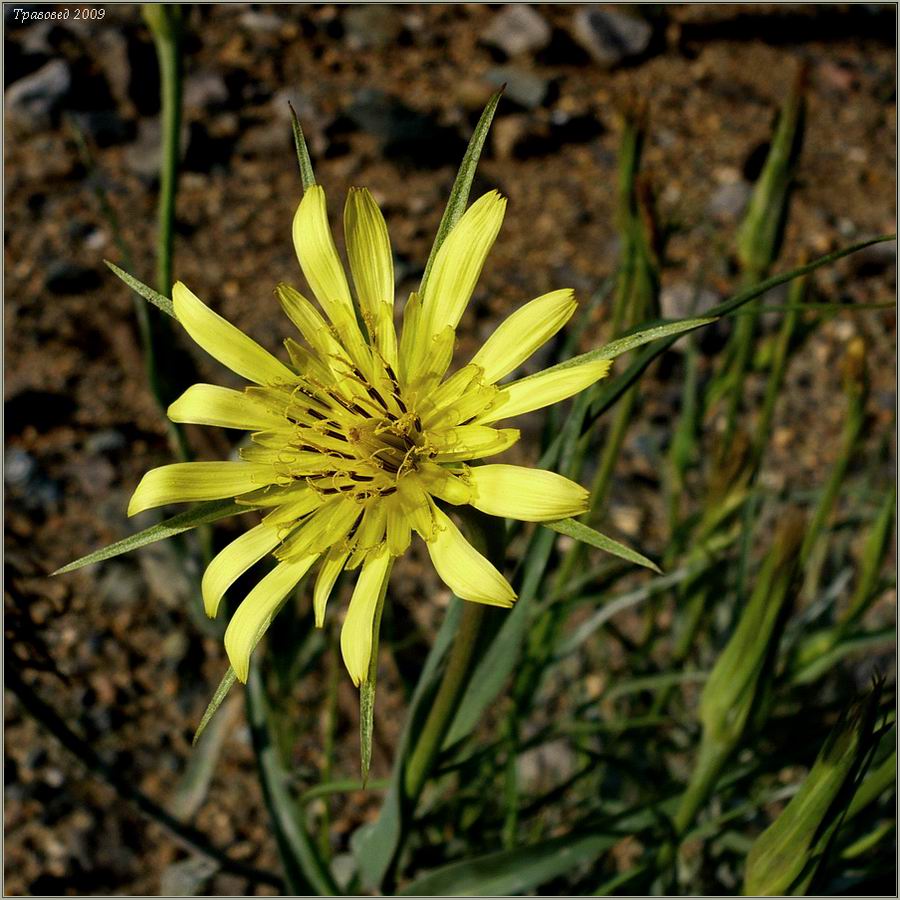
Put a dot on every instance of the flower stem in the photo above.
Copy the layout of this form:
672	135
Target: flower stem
445	703
165	23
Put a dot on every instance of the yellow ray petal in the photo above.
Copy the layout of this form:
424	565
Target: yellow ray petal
189	482
445	485
471	442
309	322
229	564
319	257
328	575
523	332
458	264
222	341
463	569
531	495
356	634
372	267
210	404
258	608
327	527
543	389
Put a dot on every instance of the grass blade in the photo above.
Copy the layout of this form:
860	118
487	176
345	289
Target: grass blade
303	160
201	514
511	871
221	693
143	290
459	193
587	535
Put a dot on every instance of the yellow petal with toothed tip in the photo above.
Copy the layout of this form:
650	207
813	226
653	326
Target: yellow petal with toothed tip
372	267
527	329
210	404
530	495
543	389
256	611
189	482
222	341
356	634
328	575
463	569
229	564
458	264
398	529
319	257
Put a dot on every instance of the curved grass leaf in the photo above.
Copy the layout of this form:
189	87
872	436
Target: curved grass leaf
157	299
587	535
510	872
201	514
459	193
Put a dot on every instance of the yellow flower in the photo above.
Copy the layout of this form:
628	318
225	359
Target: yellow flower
355	440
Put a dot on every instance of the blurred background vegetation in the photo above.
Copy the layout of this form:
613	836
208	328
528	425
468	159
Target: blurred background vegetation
726	726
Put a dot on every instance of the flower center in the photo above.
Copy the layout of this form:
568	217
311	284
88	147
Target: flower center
344	440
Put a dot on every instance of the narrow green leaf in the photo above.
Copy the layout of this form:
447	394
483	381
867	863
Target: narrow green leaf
511	871
630	342
306	169
157	299
221	693
459	193
201	514
587	535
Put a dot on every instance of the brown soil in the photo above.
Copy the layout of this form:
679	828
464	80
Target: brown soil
113	648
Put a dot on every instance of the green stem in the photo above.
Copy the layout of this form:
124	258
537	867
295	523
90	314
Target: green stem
711	760
445	703
166	26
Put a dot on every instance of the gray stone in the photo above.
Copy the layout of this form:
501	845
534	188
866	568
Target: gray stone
518	29
261	22
729	201
204	91
19	467
609	36
522	87
370	26
683	299
33	101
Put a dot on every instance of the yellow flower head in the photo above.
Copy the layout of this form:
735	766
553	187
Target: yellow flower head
355	441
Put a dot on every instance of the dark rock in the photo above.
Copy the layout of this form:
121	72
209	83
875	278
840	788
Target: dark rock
609	36
371	26
105	126
404	132
527	89
66	277
728	202
518	29
874	260
33	102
